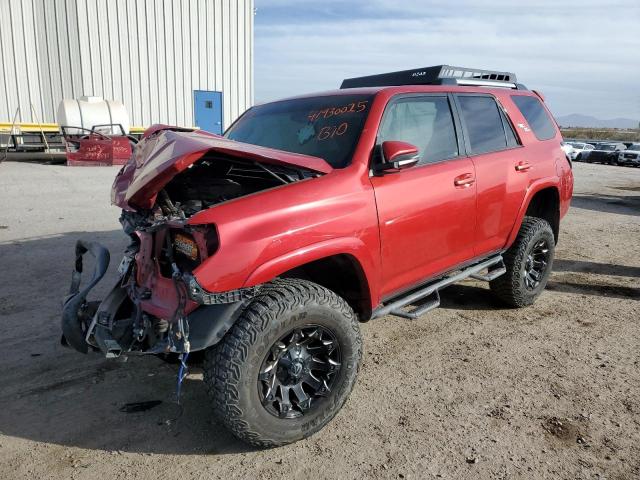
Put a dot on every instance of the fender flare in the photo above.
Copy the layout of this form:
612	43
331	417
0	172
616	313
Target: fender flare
534	188
354	247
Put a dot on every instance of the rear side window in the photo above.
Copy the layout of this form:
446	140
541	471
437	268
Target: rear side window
512	140
536	116
484	127
425	122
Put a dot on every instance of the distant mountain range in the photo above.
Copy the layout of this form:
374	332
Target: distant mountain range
587	121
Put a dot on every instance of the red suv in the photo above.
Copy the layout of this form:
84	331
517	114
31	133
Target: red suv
266	247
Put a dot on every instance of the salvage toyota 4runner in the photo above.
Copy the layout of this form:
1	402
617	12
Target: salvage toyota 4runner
266	247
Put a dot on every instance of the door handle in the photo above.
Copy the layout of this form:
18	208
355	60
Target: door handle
523	166
465	180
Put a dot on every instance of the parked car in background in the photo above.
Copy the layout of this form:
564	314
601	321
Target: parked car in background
631	156
567	148
606	152
578	150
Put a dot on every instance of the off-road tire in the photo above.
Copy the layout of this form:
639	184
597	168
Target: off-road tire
510	287
231	367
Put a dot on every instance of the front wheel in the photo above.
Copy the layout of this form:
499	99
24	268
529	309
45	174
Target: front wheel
287	366
528	262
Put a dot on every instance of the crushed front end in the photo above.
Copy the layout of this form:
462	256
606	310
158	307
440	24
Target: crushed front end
154	306
157	305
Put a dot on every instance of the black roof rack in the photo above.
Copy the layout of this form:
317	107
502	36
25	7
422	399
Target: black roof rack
437	75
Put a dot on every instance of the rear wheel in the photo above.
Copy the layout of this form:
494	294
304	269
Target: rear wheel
287	366
528	261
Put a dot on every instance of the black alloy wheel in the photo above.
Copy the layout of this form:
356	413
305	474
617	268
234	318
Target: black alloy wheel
536	264
299	369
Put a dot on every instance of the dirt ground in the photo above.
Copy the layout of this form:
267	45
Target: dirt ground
471	390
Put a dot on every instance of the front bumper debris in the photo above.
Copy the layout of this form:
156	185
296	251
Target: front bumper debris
119	325
74	319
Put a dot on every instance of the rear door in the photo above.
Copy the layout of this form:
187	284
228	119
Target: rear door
502	171
207	108
426	213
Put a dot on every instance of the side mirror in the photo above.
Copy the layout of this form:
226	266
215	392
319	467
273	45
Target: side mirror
398	156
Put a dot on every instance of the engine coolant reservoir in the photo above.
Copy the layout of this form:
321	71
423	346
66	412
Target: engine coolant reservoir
88	112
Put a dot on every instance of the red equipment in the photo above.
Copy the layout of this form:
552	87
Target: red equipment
93	148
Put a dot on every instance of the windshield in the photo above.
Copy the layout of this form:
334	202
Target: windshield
576	145
326	127
635	146
605	147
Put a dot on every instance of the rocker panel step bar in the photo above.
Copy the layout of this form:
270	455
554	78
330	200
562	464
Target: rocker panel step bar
395	308
419	311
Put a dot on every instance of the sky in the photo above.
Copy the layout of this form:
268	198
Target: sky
584	56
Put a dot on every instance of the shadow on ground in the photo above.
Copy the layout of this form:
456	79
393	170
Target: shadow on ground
589	278
582	266
55	395
599	290
465	296
619	204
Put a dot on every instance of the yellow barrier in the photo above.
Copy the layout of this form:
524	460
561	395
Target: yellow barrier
30	127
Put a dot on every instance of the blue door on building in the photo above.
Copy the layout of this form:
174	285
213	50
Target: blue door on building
207	107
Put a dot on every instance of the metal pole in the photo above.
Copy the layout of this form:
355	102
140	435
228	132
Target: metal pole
13	124
44	138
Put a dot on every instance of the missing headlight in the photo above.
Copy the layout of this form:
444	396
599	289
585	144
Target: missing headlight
186	246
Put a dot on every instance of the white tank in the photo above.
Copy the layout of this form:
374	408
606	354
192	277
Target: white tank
87	112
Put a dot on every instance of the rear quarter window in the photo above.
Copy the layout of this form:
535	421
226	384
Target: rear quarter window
537	117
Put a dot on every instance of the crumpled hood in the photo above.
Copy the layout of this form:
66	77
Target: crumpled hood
165	151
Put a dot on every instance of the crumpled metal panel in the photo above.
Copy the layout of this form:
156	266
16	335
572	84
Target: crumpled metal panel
165	151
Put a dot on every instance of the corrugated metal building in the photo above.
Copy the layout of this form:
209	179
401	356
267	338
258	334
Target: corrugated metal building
153	55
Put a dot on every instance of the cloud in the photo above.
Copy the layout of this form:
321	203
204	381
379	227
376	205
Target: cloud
582	55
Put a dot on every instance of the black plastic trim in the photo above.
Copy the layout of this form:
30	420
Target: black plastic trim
209	323
73	330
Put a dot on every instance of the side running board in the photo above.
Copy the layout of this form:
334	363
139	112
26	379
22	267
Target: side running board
474	271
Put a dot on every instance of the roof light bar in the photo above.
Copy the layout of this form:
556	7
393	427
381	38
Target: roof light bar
437	75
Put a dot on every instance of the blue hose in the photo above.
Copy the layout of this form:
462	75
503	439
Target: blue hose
182	374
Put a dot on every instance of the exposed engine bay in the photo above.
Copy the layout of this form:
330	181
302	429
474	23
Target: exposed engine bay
214	180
